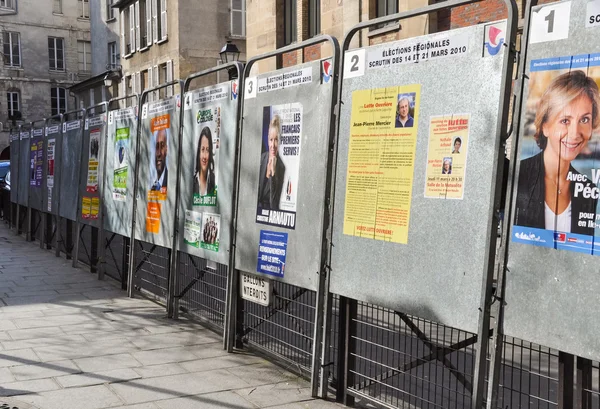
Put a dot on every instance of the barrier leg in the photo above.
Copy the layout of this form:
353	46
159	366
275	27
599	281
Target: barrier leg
348	346
58	239
94	251
566	381
584	383
125	263
75	254
28	232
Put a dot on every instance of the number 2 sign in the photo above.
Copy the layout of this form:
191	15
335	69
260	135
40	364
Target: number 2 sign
550	23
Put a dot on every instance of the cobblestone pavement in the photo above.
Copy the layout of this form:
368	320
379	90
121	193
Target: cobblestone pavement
70	341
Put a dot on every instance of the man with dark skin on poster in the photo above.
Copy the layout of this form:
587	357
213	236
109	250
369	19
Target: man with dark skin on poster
160	161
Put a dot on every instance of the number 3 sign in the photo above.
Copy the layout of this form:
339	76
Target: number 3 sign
550	23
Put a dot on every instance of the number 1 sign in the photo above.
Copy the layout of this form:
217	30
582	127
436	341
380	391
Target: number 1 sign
550	23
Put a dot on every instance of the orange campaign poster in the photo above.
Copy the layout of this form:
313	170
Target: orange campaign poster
153	218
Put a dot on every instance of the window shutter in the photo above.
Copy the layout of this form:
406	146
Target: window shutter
138	83
150	83
155	81
148	23
170	77
155	20
123	44
138	32
163	19
132	28
133	88
122	92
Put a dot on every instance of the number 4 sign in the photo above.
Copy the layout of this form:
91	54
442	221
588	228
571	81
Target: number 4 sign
550	23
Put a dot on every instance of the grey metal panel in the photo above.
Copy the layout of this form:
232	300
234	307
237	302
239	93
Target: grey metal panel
439	273
53	150
91	168
36	188
224	112
24	173
70	169
14	166
303	257
118	200
152	111
551	296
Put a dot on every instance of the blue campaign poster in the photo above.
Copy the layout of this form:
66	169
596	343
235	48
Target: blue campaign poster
272	250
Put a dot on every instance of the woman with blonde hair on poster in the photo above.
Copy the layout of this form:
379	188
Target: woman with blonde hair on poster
566	117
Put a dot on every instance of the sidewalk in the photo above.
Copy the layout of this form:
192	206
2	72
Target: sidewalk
70	341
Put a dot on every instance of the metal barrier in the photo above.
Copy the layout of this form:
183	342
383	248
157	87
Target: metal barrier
204	218
36	178
278	107
154	204
52	163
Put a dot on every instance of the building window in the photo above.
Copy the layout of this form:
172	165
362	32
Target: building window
290	21
128	26
58	99
84	8
12	102
84	56
12	49
386	7
141	24
314	18
238	18
159	20
56	52
110	12
7	4
113	55
57	7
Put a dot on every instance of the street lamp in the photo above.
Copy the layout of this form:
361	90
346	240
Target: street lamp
230	53
107	80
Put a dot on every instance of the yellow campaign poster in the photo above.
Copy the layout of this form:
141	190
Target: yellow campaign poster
381	154
86	207
447	156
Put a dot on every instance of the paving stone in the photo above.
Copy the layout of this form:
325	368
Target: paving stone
107	362
311	404
97	378
152	371
44	370
166	387
28	387
277	394
83	350
262	374
91	397
218	400
39	342
225	361
18	357
177	338
6	376
6	325
46	332
165	356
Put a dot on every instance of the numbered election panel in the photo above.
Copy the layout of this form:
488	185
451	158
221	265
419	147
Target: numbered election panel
418	147
119	171
285	142
52	164
207	164
551	295
92	167
157	172
37	171
25	166
14	165
70	167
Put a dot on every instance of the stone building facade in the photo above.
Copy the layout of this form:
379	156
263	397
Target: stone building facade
162	40
46	49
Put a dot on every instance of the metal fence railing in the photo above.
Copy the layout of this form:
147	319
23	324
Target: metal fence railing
151	270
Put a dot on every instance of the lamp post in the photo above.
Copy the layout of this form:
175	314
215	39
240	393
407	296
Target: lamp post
230	53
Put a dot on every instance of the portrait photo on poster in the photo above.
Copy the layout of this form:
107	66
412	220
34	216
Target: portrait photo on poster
159	162
405	110
559	169
206	164
279	170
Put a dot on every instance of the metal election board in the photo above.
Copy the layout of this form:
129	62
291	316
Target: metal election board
25	169
207	164
92	166
52	164
157	172
37	174
418	149
70	168
14	165
120	166
551	295
282	182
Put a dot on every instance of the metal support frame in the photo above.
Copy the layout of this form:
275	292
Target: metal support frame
130	273
566	380
173	307
52	241
486	297
584	384
235	311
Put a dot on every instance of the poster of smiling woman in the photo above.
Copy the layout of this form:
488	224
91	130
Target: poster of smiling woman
559	169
